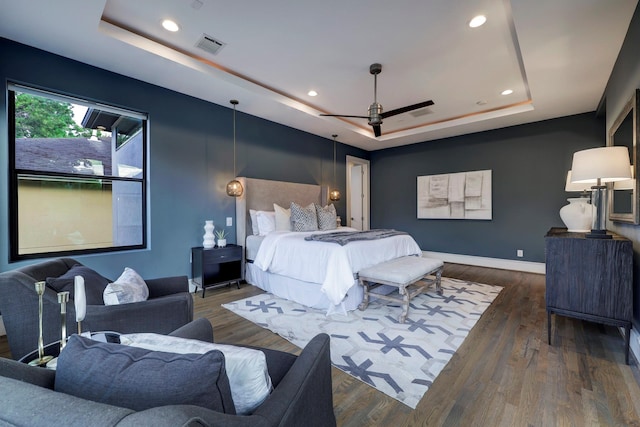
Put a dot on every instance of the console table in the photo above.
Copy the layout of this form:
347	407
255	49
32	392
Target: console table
589	279
216	266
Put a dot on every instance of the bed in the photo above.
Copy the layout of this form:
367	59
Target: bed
316	274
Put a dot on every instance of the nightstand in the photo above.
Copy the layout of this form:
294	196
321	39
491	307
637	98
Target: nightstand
215	267
589	279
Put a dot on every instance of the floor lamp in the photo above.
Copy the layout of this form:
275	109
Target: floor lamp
604	164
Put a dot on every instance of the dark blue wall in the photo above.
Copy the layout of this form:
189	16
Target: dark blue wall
529	165
624	80
191	157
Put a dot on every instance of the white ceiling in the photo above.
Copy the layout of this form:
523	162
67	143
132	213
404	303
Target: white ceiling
556	55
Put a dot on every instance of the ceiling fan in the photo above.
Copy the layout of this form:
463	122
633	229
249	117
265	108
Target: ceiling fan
375	110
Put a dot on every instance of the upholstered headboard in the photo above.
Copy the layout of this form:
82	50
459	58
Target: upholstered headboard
261	194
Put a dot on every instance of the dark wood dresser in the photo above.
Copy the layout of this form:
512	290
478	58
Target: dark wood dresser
589	279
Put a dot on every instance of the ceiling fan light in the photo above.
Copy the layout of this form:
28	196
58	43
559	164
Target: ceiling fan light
234	188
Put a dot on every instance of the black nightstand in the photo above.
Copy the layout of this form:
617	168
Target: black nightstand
216	267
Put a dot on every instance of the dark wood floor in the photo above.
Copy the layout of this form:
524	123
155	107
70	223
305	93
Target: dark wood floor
504	374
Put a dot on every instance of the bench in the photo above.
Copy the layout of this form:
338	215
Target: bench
408	273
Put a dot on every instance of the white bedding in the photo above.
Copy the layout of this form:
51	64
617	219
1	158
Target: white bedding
328	264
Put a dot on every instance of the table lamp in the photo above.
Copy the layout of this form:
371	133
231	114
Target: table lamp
602	165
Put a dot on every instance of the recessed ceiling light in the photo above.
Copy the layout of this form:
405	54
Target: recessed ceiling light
477	21
507	92
312	93
170	25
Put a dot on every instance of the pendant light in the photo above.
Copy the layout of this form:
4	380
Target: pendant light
234	187
334	195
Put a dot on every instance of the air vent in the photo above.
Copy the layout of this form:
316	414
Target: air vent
209	44
421	112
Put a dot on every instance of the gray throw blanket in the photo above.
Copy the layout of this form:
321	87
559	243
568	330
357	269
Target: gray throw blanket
344	237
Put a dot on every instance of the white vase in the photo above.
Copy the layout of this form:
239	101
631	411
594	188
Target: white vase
578	215
209	239
222	243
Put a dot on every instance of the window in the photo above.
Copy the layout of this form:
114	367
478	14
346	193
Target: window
77	176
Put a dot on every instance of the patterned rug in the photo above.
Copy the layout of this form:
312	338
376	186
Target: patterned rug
400	360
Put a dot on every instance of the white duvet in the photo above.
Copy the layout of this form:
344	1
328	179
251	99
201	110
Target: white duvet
328	264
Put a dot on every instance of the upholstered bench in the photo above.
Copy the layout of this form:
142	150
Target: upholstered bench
404	272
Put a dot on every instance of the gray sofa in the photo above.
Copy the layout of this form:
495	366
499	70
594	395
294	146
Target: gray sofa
169	306
302	395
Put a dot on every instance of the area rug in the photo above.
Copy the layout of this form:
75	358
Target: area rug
400	360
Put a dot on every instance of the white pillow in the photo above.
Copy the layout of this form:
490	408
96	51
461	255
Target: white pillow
246	368
283	218
254	221
266	222
128	288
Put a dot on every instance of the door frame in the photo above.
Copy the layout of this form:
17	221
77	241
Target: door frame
350	162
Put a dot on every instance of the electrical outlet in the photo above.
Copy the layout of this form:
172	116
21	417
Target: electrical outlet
229	221
520	253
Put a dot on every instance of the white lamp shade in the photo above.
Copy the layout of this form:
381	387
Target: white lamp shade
574	186
627	184
609	164
79	298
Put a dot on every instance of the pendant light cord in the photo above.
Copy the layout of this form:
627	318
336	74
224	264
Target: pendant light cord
234	102
334	160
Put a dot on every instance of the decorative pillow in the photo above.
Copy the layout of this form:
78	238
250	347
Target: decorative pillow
283	218
94	283
254	222
326	217
140	379
246	368
266	222
303	219
129	287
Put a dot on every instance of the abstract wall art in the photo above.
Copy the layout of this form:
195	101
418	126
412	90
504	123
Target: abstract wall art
463	195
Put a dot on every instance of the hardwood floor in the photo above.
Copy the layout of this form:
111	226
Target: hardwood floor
504	374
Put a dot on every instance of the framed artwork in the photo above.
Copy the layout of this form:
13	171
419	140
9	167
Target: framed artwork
464	195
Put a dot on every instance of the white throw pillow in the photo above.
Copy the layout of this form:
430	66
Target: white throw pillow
129	287
266	222
254	221
246	368
283	218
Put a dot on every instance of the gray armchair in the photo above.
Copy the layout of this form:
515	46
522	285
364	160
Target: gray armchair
169	306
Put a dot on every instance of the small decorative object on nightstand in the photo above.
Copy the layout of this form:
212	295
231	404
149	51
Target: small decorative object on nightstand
222	240
209	239
219	266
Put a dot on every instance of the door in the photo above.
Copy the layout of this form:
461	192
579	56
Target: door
357	193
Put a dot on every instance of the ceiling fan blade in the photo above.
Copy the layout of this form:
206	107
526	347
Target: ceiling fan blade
344	115
397	111
376	130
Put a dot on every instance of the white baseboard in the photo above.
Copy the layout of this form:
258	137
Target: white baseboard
3	331
503	264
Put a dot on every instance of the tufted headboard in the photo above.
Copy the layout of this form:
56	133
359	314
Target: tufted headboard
261	194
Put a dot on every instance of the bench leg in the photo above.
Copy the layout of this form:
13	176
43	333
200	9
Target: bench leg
365	298
439	281
406	298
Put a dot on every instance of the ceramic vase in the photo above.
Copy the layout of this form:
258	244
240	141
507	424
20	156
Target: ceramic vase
578	215
208	240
